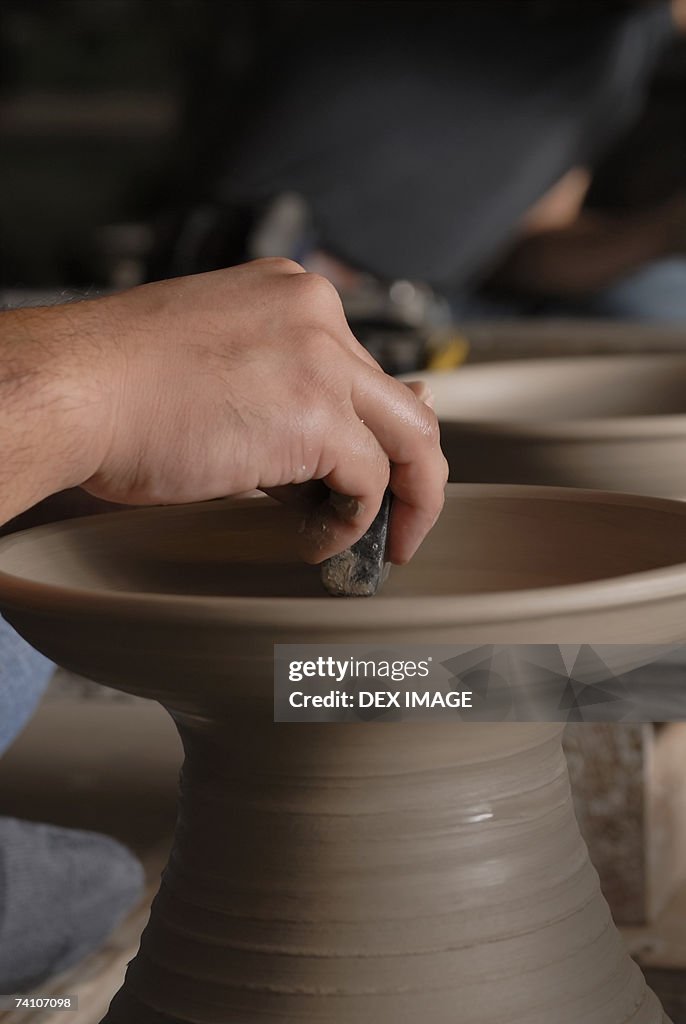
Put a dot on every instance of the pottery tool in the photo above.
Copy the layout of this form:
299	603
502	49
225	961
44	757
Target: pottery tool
361	570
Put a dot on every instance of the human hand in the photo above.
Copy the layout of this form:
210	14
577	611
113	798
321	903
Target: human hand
251	378
679	15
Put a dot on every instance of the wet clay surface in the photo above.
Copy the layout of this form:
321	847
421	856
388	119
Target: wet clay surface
487	539
357	874
333	874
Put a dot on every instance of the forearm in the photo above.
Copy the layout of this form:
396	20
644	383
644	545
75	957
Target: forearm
592	253
51	403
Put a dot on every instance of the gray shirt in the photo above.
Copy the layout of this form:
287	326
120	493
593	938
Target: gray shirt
420	140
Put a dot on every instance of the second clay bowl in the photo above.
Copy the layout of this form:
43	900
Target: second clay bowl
610	422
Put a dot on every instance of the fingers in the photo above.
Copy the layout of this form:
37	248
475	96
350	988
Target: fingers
351	342
413	513
321	296
394	437
356	484
418	496
277	265
337	510
407	430
421	390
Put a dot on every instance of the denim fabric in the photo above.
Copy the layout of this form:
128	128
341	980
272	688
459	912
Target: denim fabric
61	893
656	293
24	675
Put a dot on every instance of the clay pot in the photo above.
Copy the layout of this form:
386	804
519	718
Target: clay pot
612	422
360	873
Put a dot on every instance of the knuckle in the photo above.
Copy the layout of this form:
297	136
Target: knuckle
431	428
386	473
382	468
435	506
317	290
424	419
281	264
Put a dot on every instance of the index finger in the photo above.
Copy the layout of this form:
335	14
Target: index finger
408	432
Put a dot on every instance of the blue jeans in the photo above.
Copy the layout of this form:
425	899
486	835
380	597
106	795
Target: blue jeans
24	675
654	294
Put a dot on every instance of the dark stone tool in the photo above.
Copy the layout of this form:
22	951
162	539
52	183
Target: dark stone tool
360	570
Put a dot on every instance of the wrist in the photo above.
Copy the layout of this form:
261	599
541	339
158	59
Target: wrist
55	405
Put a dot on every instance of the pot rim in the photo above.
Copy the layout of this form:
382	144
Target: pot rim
587	428
279	614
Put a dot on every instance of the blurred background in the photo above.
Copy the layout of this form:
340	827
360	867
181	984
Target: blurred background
442	163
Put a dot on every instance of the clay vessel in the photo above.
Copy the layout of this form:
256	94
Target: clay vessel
360	874
612	422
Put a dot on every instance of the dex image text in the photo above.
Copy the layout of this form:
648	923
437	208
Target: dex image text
382	699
